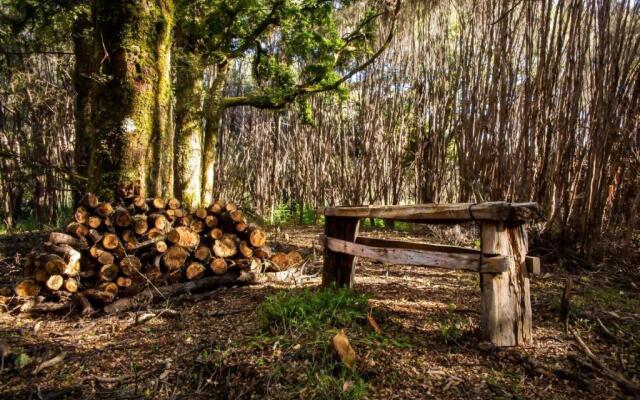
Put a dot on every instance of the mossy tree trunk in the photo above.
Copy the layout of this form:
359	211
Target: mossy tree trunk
132	106
163	140
215	109
189	128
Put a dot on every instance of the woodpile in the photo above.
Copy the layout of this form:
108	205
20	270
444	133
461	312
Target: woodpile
116	250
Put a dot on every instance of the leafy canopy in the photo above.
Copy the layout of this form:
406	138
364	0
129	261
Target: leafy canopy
295	47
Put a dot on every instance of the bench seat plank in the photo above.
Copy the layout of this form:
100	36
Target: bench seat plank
437	259
443	213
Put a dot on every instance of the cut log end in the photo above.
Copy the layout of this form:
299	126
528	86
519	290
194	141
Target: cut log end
225	247
173	203
130	265
175	257
195	271
257	238
202	253
201	213
55	282
109	272
211	221
280	260
231	207
110	241
124	281
219	266
157	203
184	236
245	249
27	288
71	285
109	287
89	200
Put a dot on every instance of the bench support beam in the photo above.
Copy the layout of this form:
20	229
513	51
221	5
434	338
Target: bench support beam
505	299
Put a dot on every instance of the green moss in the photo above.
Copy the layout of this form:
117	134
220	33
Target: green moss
189	94
607	298
135	91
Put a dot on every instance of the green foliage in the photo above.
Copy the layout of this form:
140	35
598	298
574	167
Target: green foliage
290	214
606	298
281	215
28	25
294	46
313	310
306	111
28	222
22	360
382	224
304	322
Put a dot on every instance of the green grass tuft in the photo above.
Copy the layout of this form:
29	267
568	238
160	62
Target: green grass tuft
329	308
303	324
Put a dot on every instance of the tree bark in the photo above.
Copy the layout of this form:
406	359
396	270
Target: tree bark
163	175
84	51
189	129
130	106
215	109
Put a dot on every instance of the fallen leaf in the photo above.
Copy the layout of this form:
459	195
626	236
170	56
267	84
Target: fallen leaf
373	324
343	348
347	386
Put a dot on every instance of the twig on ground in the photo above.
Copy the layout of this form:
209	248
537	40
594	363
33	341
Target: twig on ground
232	312
625	384
50	363
606	331
146	317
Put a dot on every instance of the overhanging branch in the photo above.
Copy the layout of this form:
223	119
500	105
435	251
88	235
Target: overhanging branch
270	101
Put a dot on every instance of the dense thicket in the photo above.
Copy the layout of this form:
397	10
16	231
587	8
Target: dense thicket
471	101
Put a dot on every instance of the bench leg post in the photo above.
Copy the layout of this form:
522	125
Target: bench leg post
506	303
339	268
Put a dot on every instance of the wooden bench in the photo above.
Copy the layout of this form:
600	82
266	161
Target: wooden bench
502	261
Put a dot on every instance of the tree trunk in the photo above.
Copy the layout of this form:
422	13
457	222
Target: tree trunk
189	107
84	50
131	105
214	113
162	176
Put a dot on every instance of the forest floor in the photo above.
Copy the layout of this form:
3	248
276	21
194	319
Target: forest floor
230	343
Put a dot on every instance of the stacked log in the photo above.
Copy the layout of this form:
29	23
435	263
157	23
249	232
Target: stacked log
112	250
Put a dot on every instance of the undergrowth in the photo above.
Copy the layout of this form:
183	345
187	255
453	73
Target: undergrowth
302	324
29	223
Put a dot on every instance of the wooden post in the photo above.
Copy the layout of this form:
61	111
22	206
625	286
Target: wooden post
506	303
339	268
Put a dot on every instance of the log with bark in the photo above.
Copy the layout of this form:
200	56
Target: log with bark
112	250
149	295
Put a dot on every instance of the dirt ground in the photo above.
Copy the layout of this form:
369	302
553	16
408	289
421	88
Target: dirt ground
429	316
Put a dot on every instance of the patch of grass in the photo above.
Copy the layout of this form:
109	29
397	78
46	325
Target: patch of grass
301	325
607	298
290	312
294	214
